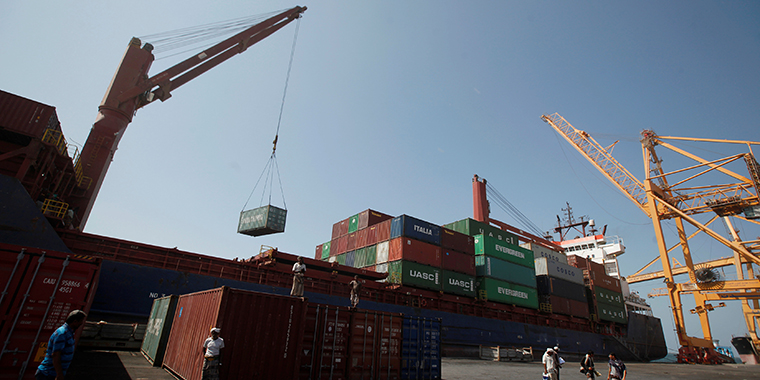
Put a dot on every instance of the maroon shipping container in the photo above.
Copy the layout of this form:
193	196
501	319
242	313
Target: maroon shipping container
42	288
372	234
404	248
384	231
25	116
351	244
604	281
370	217
341	343
565	306
262	334
361	238
458	262
318	254
340	247
335	231
583	263
457	241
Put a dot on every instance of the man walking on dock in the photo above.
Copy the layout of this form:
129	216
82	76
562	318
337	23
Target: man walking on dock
299	270
60	349
550	364
617	368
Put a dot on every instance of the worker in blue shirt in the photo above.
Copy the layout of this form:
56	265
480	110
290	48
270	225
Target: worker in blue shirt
60	349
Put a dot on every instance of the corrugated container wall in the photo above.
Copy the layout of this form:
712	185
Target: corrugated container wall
247	319
414	274
369	218
404	248
458	262
157	332
421	350
414	228
457	241
547	267
25	116
505	292
541	251
485	245
263	220
41	289
504	270
458	283
473	227
555	286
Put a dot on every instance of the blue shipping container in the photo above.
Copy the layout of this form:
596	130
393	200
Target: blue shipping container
414	228
350	258
421	348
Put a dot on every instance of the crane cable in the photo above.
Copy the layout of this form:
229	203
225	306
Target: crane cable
272	163
508	207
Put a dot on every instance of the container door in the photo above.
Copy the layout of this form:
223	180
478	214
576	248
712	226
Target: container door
324	347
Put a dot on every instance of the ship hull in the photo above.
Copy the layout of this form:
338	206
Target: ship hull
746	350
126	292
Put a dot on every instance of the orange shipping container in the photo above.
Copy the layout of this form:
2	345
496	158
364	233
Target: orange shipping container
404	248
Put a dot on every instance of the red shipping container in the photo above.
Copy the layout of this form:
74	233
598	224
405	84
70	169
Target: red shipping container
566	306
372	234
335	231
318	254
597	268
351	244
370	217
577	261
344	224
25	116
340	247
457	241
361	238
458	262
43	287
382	362
606	282
404	248
262	333
384	231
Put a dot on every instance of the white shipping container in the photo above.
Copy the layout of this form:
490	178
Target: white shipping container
382	254
551	268
541	251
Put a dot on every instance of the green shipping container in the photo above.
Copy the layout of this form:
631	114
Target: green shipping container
473	227
341	259
609	297
458	283
370	255
611	313
353	223
487	266
493	247
326	250
504	292
157	332
414	274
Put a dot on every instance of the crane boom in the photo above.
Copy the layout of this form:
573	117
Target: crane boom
131	89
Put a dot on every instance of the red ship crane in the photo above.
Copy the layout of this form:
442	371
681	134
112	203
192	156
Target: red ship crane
132	89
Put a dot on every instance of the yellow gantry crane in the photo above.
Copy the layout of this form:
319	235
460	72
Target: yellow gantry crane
686	195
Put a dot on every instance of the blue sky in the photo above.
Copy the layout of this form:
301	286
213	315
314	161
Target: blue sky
394	105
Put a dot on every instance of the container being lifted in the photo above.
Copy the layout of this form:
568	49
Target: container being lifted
263	220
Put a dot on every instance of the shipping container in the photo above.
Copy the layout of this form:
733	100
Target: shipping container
341	259
608	297
353	223
262	333
384	231
350	259
342	343
381	268
361	238
325	251
369	218
365	257
41	288
264	220
558	305
25	116
565	289
458	283
351	241
611	313
340	247
473	227
457	241
404	248
382	252
487	266
546	267
343	227
157	331
372	234
604	281
318	252
421	348
485	245
494	290
541	251
414	228
336	231
583	263
413	274
457	262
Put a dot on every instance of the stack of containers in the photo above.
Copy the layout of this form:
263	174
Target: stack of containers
457	263
505	271
414	255
560	288
355	240
605	297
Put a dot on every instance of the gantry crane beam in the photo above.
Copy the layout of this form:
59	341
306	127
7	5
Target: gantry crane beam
662	196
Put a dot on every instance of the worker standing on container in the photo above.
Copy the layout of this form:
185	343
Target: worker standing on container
60	349
299	271
355	286
617	368
212	355
550	364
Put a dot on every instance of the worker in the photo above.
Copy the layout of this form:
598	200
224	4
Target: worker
299	271
587	366
355	286
212	355
60	348
617	368
550	364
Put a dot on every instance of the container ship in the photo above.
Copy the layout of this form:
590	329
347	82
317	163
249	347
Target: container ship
490	284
